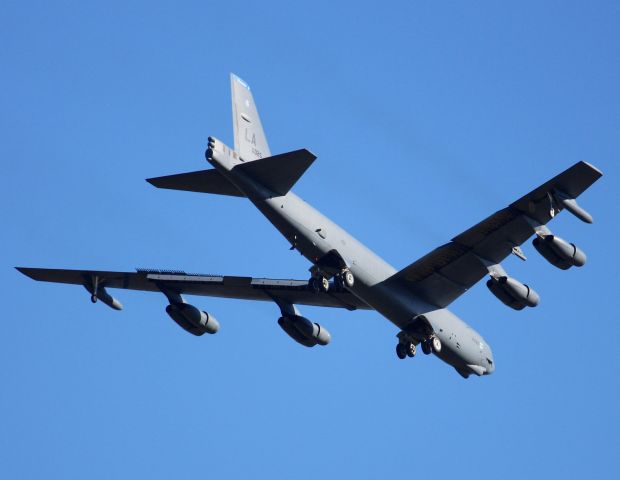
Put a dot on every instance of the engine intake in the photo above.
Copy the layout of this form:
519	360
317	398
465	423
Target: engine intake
513	293
558	252
192	320
303	331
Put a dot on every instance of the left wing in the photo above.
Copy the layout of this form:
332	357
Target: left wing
444	274
246	288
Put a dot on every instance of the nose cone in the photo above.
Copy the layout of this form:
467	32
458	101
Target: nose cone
489	361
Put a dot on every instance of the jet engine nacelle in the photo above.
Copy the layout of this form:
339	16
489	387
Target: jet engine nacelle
559	252
304	331
192	320
513	293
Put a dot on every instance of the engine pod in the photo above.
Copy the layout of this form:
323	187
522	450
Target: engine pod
303	331
192	320
512	293
559	253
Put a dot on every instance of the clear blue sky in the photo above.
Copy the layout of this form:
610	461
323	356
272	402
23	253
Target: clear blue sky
426	117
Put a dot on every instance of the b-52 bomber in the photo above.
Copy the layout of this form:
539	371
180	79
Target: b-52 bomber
345	273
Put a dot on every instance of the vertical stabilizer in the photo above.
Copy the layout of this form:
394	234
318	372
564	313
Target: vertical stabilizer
250	141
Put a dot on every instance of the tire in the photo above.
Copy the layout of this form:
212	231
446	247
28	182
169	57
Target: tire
314	285
401	351
426	347
411	350
435	344
348	279
93	298
324	284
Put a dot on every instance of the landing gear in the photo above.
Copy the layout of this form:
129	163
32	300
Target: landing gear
406	346
348	279
93	298
319	284
404	350
431	345
345	279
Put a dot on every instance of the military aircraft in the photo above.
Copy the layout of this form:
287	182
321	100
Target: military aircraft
345	273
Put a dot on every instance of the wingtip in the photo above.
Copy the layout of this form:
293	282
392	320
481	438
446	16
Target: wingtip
593	167
25	271
314	157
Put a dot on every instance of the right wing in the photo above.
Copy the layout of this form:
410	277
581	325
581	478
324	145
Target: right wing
444	274
295	292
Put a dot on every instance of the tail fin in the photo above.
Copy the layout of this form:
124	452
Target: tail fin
250	141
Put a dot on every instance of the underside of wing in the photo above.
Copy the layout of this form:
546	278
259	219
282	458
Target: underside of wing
178	282
450	270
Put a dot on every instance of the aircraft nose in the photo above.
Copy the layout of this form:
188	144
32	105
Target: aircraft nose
488	362
490	367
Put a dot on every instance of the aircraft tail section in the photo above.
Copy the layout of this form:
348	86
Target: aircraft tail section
280	172
250	157
250	140
202	181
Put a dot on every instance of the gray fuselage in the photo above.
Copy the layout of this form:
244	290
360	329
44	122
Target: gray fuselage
314	236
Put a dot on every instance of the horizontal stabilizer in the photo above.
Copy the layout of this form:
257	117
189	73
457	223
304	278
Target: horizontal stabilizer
280	172
203	181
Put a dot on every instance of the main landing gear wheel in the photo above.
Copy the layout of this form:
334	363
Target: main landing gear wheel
348	279
319	284
426	347
93	298
411	350
435	344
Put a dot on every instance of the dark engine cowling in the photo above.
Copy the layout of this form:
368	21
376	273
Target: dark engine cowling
304	331
513	293
559	252
192	320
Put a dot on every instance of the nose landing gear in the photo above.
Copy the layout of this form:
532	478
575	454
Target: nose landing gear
431	345
407	348
404	350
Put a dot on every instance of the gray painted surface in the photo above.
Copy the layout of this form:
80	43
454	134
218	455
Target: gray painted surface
413	299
